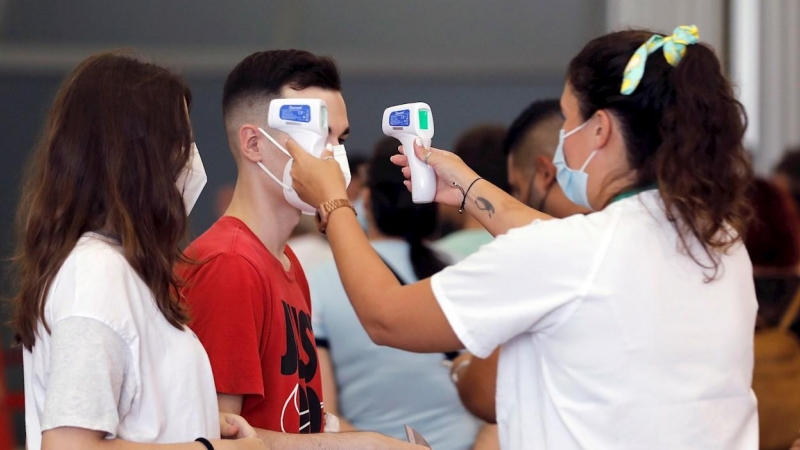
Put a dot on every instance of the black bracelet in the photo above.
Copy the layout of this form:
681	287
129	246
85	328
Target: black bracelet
205	442
464	200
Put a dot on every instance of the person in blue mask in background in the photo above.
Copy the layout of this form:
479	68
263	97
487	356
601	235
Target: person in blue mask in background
629	327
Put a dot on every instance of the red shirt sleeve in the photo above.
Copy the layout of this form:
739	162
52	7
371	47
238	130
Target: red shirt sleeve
226	305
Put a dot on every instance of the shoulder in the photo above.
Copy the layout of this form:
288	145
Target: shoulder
558	235
227	246
227	234
97	282
222	268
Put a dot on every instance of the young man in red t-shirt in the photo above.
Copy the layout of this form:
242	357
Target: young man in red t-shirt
248	296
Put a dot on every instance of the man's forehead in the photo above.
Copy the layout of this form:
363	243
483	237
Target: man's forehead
309	92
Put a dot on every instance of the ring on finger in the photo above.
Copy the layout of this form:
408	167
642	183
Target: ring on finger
327	158
428	156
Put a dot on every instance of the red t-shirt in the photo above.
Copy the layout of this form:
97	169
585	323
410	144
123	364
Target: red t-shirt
254	319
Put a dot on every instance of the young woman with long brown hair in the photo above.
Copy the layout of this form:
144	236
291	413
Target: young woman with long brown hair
108	359
630	327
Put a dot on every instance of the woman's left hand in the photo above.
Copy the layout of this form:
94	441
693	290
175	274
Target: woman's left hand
316	180
232	426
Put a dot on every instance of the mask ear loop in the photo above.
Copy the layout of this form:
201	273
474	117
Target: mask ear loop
578	128
271	139
280	147
583	167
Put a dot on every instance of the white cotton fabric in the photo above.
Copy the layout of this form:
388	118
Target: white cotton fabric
611	337
112	362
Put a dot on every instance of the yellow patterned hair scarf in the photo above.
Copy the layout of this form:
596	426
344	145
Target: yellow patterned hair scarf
674	48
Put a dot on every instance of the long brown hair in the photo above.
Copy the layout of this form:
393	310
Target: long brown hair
683	129
116	138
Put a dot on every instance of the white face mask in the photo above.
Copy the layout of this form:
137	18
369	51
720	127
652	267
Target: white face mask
339	154
192	180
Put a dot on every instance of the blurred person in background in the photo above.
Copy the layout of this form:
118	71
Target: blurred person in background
482	148
773	243
787	174
377	388
529	146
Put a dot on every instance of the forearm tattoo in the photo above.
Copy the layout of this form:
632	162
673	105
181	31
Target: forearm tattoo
485	205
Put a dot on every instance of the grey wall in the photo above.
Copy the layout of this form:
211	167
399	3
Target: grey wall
471	60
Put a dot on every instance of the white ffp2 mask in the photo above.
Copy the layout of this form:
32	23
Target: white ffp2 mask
339	154
192	180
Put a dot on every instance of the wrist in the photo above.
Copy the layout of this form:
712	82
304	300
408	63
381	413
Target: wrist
466	177
328	208
465	191
206	444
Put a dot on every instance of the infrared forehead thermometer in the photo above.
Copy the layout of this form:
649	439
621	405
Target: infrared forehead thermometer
406	123
304	119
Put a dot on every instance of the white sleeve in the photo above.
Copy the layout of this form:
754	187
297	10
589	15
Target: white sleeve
528	280
88	368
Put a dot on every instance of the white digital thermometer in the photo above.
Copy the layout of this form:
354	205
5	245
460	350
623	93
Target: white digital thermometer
305	120
405	123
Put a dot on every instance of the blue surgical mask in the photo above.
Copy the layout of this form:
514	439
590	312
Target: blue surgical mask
573	182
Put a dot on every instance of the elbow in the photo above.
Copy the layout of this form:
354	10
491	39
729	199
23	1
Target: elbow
377	324
378	333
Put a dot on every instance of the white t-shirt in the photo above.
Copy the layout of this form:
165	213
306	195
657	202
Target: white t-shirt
611	338
112	362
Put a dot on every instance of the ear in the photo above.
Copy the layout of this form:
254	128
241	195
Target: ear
248	142
544	168
602	129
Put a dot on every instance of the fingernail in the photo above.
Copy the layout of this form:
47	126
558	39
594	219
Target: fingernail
328	147
418	141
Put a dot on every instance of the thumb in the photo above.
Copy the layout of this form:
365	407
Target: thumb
229	428
420	150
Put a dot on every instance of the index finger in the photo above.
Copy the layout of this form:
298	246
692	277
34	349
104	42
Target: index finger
293	148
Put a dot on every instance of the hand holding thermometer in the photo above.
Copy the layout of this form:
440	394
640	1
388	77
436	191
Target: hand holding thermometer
405	123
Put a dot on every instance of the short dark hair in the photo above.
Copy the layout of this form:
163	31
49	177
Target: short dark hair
264	74
536	113
481	148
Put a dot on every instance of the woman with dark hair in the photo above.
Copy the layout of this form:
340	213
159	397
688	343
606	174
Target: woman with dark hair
630	327
109	361
380	388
